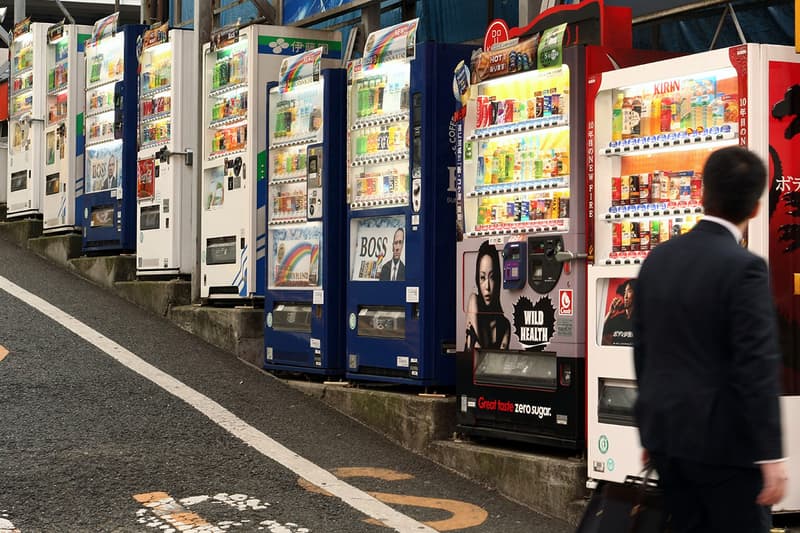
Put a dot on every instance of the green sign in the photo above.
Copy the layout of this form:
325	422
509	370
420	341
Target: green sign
602	444
551	47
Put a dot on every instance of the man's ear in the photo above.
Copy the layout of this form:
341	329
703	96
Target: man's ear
756	210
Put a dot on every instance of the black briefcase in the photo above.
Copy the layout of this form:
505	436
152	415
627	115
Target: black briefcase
625	508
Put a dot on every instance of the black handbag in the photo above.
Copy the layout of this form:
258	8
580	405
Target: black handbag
626	508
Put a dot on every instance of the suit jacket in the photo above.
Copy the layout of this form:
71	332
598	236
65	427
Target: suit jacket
706	351
386	271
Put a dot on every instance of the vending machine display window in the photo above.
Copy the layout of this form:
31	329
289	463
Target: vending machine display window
517	157
379	139
652	153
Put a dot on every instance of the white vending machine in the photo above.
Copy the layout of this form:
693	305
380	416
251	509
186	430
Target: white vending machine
649	132
238	64
167	127
63	132
26	114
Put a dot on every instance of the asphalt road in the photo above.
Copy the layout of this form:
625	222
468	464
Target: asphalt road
89	445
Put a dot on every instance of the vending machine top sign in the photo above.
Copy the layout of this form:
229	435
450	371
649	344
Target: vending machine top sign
390	44
21	29
299	70
105	27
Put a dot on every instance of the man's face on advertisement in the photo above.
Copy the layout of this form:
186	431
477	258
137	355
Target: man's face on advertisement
397	244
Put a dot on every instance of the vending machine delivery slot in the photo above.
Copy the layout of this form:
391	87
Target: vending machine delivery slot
516	369
545	269
292	316
616	400
382	321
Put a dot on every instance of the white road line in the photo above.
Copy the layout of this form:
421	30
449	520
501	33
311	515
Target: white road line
320	477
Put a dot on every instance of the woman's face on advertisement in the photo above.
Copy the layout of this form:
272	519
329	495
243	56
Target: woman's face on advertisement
486	279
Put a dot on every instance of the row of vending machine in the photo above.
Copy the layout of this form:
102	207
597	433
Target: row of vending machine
431	215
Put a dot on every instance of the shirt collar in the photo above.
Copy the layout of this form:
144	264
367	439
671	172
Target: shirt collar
730	226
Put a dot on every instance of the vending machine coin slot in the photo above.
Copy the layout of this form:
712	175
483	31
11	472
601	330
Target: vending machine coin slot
544	269
514	265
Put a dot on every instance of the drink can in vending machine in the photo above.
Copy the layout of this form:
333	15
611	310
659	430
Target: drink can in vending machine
675	227
685	191
525	211
563	207
635	236
616	190
666	181
511	209
663	231
697	187
655	186
509	113
674	186
655	233
625	190
644	236
625	237
633	193
616	237
480	107
555	206
644	188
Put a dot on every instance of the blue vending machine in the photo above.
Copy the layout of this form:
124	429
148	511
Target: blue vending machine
108	200
304	299
401	216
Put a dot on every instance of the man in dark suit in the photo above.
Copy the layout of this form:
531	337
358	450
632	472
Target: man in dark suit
708	362
395	270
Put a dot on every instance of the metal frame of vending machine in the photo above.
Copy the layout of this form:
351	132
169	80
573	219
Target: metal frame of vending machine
304	300
401	210
63	132
233	195
651	130
165	179
107	201
26	90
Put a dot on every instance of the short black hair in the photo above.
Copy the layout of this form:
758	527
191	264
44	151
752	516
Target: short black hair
733	180
624	285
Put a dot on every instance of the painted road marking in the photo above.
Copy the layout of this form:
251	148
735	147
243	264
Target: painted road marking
167	509
161	512
5	524
3	352
267	446
464	515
